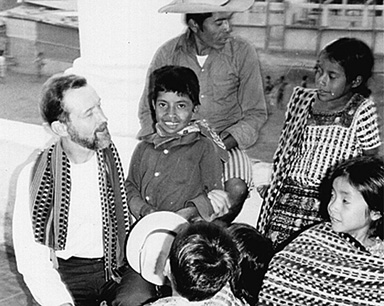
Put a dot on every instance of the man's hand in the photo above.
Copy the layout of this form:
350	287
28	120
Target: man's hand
220	203
229	142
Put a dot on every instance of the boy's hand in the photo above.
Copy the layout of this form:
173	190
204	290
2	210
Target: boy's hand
190	213
220	203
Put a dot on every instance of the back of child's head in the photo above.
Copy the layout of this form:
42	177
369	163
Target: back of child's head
255	253
366	175
203	259
355	57
178	79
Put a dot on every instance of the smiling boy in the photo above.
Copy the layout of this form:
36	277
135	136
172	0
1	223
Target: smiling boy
231	88
177	168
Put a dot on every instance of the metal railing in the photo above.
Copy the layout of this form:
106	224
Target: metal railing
344	16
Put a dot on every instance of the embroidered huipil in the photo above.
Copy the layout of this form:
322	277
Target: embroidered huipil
231	91
168	175
310	143
333	137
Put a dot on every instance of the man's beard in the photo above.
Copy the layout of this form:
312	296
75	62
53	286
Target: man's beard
100	140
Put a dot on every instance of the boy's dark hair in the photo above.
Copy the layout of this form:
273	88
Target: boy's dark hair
54	89
355	57
255	253
203	258
178	79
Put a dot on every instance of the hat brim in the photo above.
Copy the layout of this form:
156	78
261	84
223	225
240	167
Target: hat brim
199	8
163	221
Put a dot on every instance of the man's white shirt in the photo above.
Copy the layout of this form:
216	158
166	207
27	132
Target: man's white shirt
84	233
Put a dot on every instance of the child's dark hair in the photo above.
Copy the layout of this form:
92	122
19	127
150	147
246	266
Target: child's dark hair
366	174
355	57
255	253
203	259
177	79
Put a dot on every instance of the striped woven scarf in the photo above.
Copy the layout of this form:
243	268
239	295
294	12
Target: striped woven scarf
50	194
324	268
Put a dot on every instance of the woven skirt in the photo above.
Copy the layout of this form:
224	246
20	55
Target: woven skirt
296	208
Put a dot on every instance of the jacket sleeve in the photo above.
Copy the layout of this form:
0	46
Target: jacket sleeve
250	97
137	205
33	259
211	169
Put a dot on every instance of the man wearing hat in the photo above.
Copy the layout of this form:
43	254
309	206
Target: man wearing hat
231	90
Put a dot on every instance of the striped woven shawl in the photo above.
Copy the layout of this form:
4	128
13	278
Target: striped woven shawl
50	199
322	267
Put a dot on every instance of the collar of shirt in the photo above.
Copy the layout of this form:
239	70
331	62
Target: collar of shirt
186	136
188	45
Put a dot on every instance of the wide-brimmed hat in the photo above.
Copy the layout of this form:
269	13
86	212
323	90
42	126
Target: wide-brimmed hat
149	243
206	6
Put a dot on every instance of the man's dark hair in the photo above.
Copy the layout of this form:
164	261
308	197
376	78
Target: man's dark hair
54	89
203	258
198	18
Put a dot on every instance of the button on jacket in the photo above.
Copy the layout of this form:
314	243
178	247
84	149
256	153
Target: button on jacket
171	176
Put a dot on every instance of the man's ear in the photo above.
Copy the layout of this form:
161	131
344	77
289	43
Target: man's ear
193	25
357	82
59	128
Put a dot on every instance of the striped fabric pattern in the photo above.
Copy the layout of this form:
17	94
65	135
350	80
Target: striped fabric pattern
50	194
330	138
312	143
238	166
322	267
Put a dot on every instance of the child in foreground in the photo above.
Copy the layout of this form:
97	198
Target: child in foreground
255	253
340	262
323	126
179	167
199	260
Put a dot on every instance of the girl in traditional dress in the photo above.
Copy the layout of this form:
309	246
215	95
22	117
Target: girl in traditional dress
323	126
340	262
